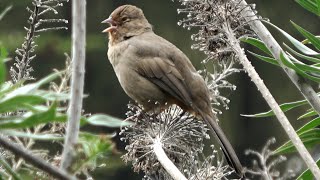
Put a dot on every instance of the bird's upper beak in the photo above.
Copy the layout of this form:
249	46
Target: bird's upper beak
113	25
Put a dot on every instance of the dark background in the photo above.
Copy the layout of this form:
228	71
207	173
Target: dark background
106	95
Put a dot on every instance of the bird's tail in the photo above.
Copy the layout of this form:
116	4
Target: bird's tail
226	147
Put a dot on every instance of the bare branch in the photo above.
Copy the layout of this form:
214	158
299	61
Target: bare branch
77	81
36	161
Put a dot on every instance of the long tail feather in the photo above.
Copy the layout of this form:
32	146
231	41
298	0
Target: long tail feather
226	147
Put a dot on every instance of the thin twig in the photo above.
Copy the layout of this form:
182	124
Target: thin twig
35	161
305	155
77	81
5	11
166	163
263	33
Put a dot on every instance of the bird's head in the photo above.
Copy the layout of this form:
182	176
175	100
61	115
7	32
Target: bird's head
125	22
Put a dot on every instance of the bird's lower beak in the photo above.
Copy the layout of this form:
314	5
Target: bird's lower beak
113	25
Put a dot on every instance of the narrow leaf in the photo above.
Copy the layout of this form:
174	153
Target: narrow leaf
287	61
257	43
311	59
3	55
266	59
309	138
19	102
310	125
30	88
33	120
309	5
40	137
284	107
106	120
303	48
307	173
308	114
312	38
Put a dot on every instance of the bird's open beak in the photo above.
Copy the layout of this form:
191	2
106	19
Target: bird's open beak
113	25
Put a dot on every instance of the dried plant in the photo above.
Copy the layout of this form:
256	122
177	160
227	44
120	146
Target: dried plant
38	22
20	72
179	132
214	18
266	163
211	167
181	136
56	129
217	81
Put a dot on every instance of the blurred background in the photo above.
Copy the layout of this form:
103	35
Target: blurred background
106	95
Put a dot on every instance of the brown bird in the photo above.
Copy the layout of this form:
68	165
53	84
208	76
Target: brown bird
150	69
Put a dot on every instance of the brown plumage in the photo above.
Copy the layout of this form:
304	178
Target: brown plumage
150	69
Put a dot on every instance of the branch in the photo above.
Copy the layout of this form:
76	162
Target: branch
77	80
35	161
305	155
166	162
263	33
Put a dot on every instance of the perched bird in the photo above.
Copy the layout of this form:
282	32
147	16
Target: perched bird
150	69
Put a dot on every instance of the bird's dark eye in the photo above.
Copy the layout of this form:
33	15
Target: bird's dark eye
125	19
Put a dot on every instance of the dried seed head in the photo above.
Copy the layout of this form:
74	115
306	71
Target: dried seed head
214	18
179	132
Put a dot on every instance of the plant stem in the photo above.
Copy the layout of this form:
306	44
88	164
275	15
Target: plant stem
305	155
5	11
77	81
7	167
166	162
20	151
263	33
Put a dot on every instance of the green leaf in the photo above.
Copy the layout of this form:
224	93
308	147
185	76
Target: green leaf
91	148
30	88
309	138
284	107
3	55
9	87
305	67
307	173
51	95
266	59
310	5
106	120
19	102
303	48
40	137
33	119
308	114
311	59
310	125
287	61
257	43
318	4
312	38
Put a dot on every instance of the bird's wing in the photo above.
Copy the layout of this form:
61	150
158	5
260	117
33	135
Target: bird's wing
163	73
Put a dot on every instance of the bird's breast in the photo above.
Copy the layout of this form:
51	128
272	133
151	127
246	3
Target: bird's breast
116	52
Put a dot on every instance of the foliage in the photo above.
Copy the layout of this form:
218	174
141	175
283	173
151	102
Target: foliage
37	111
304	59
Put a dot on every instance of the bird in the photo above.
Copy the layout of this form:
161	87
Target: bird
153	71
